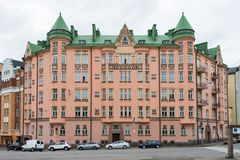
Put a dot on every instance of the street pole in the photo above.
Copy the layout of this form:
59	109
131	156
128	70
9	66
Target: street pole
230	143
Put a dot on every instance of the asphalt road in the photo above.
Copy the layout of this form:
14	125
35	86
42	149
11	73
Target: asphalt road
164	153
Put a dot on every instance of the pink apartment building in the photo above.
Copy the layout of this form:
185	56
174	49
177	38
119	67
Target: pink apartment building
124	87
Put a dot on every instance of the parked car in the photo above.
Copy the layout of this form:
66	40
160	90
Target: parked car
225	141
33	145
60	146
89	145
118	144
14	146
150	144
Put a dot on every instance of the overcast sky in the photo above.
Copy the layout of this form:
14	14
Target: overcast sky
215	21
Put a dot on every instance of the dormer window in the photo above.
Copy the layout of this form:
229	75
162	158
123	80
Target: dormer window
108	42
165	41
141	42
82	41
125	41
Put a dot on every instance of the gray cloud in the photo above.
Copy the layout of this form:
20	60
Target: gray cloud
215	21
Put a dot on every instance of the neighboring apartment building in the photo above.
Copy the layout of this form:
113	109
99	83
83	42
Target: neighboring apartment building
234	96
131	87
11	88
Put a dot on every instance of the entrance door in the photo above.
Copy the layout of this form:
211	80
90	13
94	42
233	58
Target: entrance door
115	137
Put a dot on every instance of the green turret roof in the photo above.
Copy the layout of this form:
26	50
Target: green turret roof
59	29
183	29
183	24
60	24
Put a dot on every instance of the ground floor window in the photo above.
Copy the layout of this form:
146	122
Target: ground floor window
183	131
140	130
84	130
104	130
62	130
147	130
127	130
172	130
77	130
164	130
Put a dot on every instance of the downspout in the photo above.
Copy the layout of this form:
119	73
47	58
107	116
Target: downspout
196	98
91	94
159	92
37	100
23	101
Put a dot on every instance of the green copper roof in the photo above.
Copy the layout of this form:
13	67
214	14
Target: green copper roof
60	24
203	47
214	51
34	48
183	24
183	29
59	29
210	52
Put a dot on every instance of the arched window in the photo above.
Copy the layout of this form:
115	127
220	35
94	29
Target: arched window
125	41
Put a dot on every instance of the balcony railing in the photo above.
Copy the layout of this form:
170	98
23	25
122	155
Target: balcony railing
202	86
215	75
202	102
133	66
215	105
215	90
201	69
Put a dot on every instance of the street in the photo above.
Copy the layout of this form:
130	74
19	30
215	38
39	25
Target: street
166	153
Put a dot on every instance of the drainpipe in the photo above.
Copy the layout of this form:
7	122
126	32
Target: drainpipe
36	99
23	101
159	91
196	98
91	94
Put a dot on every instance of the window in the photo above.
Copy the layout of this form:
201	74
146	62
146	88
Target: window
84	94
190	112
140	76
190	58
103	111
147	130
110	93
54	111
125	76
147	76
54	59
190	78
163	94
163	59
190	94
171	76
164	130
207	113
54	94
193	130
77	76
164	76
40	133
147	94
180	76
125	41
171	58
110	58
63	94
85	111
62	130
63	59
172	130
63	113
40	113
104	129
77	58
55	76
140	93
147	111
77	112
103	94
127	130
125	111
51	131
110	111
180	59
84	76
63	76
77	94
140	130
125	58
103	76
77	130
171	94
181	112
84	130
140	111
103	59
183	131
172	112
84	59
54	47
181	94
139	58
40	80
40	96
110	76
164	111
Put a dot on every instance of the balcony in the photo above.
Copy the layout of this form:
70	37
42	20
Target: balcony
215	76
201	69
215	105
9	132
202	102
215	90
133	66
202	86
